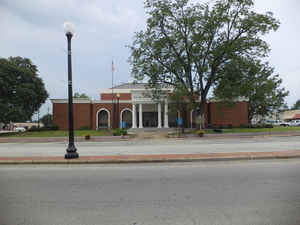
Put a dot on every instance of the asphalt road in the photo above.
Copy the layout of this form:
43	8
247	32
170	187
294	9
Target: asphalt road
231	193
163	146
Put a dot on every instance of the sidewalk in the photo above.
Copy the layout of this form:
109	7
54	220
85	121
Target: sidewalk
101	150
152	158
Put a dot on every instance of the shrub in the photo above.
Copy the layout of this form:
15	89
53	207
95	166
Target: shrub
116	132
209	126
87	137
244	126
124	132
84	128
229	126
218	130
119	132
268	126
54	127
200	133
35	128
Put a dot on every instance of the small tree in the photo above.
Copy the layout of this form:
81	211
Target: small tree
47	120
179	102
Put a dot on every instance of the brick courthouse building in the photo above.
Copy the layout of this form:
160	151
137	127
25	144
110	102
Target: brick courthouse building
128	105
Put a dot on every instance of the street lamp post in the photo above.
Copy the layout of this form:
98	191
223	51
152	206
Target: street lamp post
118	109
71	150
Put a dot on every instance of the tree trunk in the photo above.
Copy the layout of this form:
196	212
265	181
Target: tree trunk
201	115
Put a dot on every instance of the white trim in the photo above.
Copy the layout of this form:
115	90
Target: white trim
108	91
166	114
128	90
191	117
78	100
238	99
103	109
140	115
75	100
121	116
134	116
109	101
159	115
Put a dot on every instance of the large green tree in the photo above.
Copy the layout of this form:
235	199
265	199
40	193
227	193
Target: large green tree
296	105
22	92
190	44
254	80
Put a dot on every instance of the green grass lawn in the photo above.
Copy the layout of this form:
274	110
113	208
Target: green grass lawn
256	130
58	133
82	133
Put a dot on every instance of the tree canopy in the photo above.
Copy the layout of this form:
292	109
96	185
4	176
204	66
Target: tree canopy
296	105
190	44
22	92
254	80
78	95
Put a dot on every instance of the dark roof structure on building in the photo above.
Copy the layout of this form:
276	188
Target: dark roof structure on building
131	86
135	85
296	116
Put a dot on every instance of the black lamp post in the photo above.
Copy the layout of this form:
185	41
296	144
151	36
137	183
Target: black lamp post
118	110
71	150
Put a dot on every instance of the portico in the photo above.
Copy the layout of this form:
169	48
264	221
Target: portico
149	111
149	115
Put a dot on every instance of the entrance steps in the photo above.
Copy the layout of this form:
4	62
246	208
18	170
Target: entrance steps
151	132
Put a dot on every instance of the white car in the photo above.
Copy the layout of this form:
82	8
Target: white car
20	129
295	123
276	123
285	124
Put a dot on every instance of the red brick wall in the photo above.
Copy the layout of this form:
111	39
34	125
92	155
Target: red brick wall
108	96
235	115
82	115
85	114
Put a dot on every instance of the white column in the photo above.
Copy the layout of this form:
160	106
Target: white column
166	119
159	115
140	116
133	116
191	118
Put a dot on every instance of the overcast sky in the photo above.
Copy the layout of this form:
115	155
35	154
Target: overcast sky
34	29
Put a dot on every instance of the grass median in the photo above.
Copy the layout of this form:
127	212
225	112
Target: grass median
257	130
108	132
58	133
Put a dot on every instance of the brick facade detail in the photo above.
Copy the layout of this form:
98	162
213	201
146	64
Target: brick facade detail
82	115
108	96
225	115
85	114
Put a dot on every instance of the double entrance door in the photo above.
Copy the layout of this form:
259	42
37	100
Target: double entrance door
150	119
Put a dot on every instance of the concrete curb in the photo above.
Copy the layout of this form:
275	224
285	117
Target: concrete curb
61	139
128	137
152	158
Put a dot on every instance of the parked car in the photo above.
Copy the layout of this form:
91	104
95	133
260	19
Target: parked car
285	124
276	123
295	123
20	129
